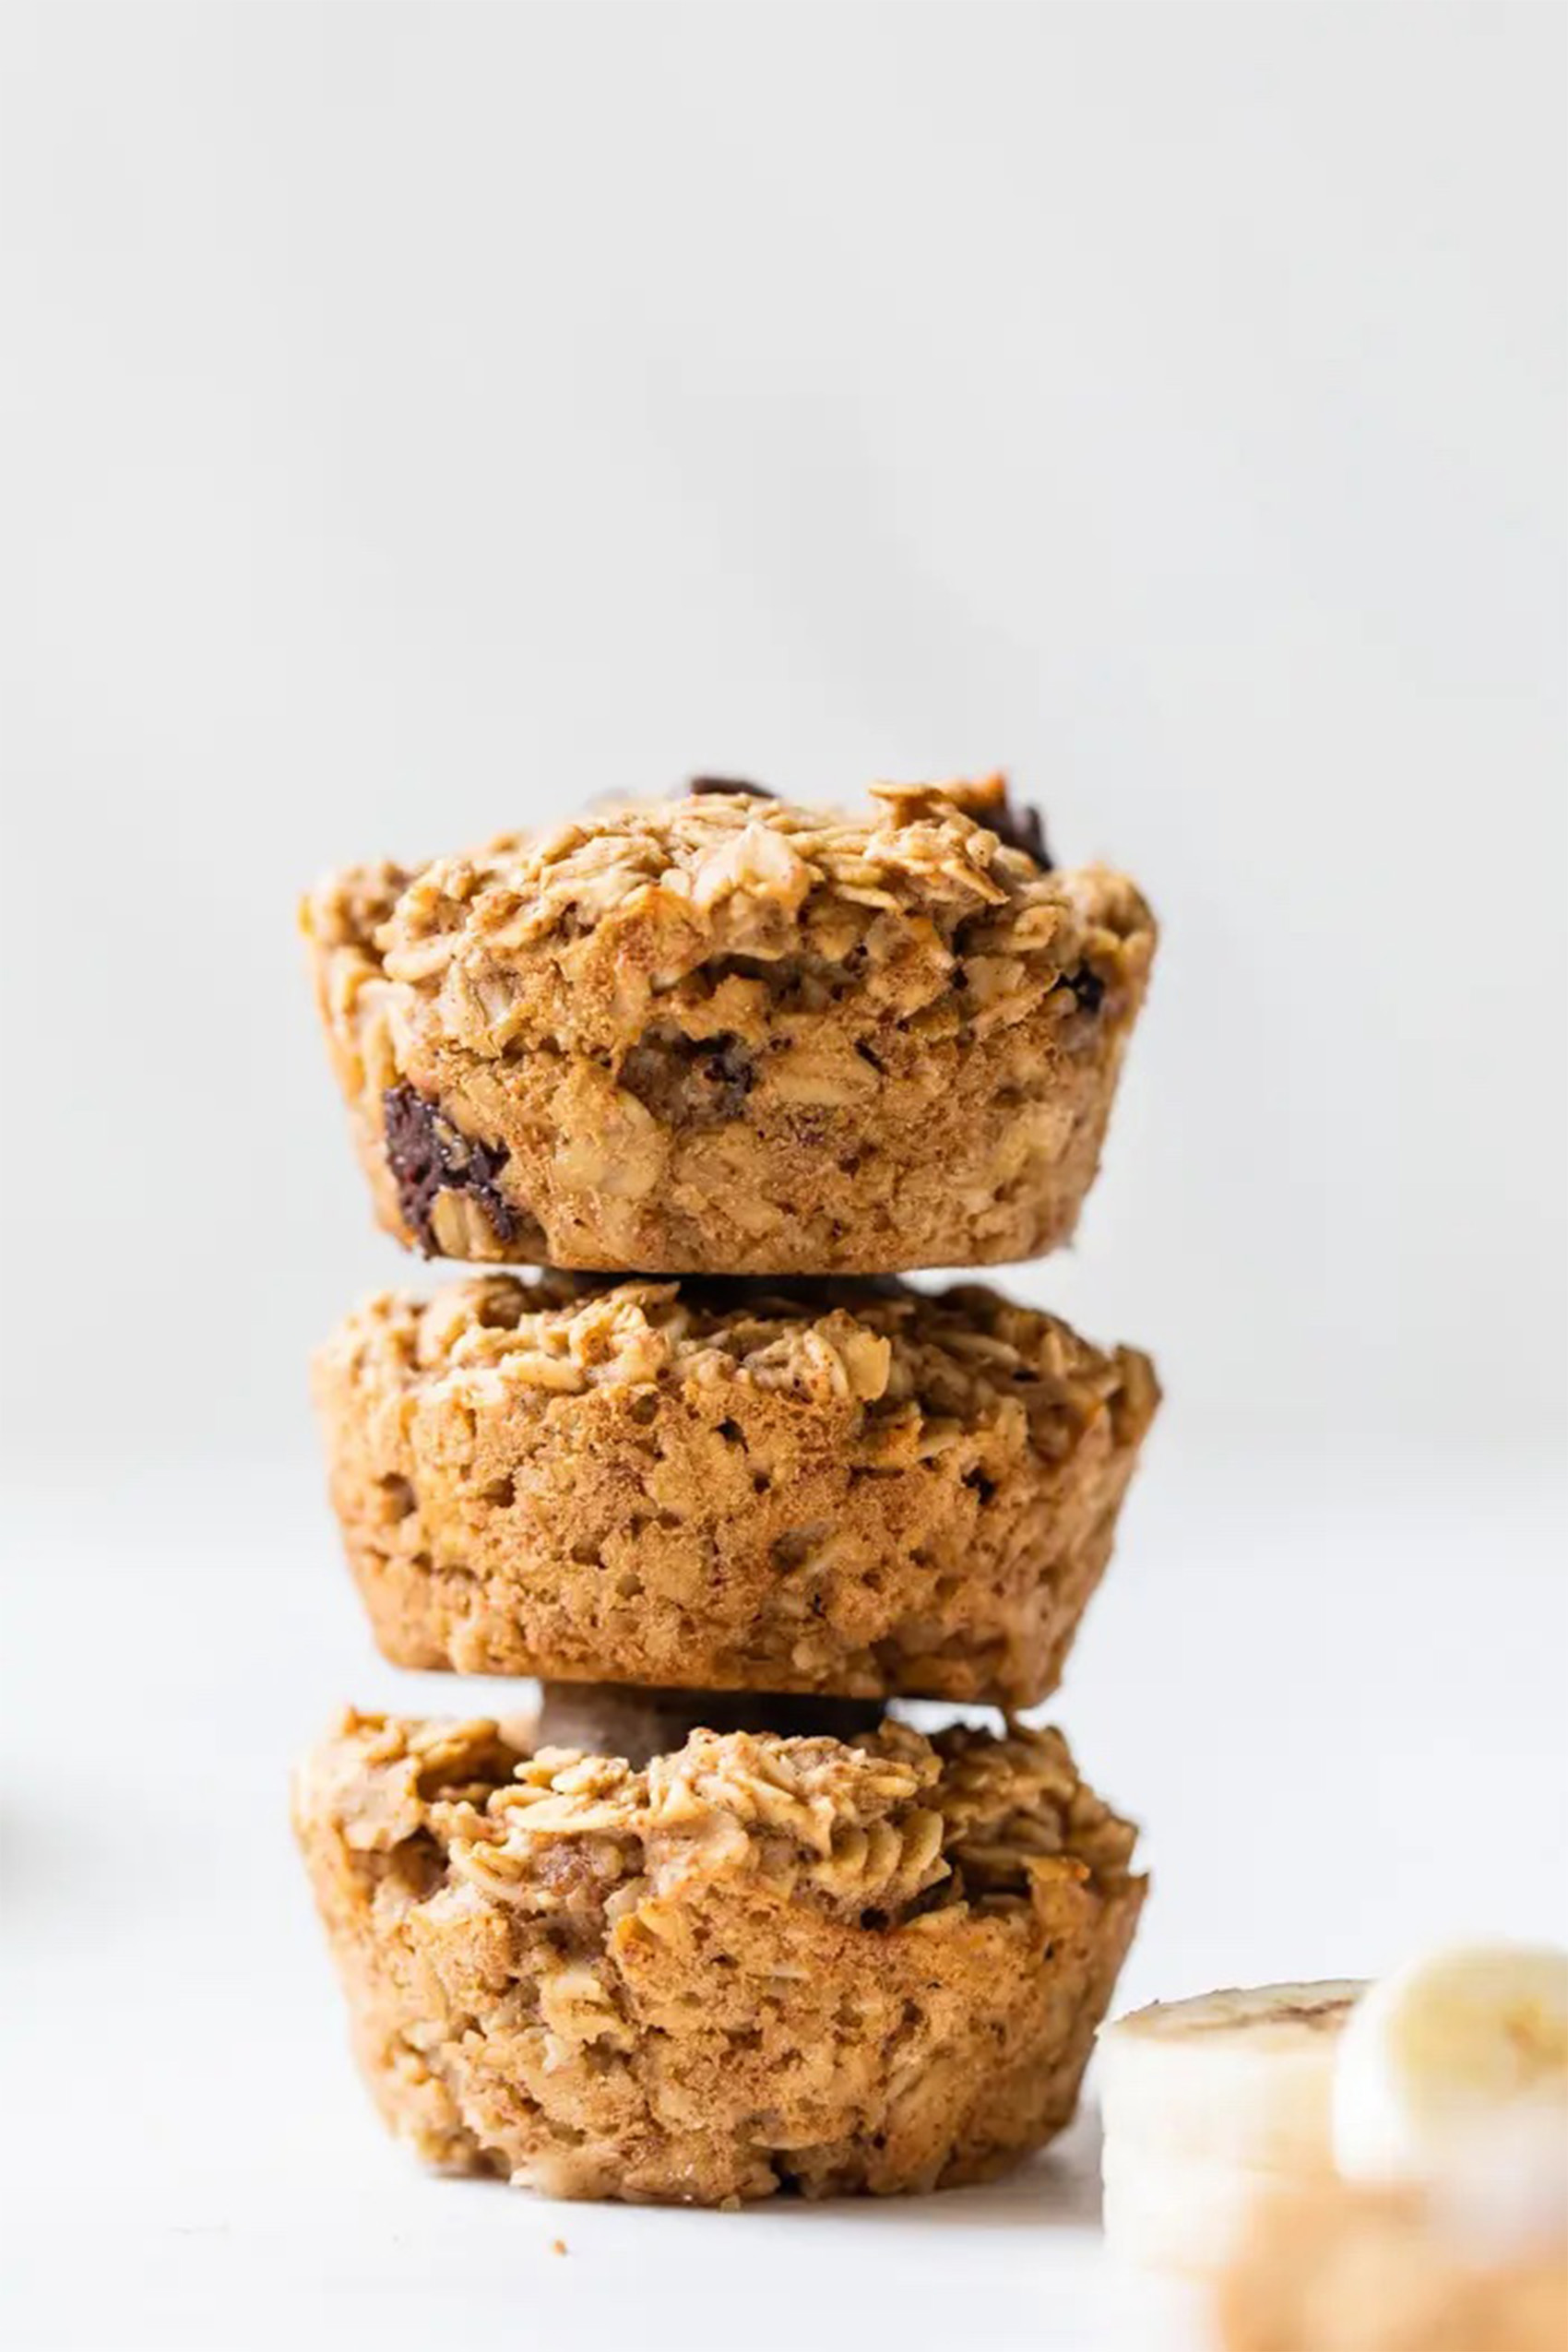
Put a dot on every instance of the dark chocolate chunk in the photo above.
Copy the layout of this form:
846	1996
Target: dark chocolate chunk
730	1070
786	1294
615	1719
1087	987
1022	828
689	1082
428	1156
701	786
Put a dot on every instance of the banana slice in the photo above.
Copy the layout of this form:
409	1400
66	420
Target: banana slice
1439	2050
1242	2076
1210	2106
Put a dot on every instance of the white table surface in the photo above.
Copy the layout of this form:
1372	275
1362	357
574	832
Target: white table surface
1333	1691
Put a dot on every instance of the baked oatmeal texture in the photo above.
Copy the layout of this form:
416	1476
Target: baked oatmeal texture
843	1487
726	1035
1342	2269
759	1963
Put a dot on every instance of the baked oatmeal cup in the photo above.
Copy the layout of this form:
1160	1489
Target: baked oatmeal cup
754	1963
841	1487
1336	2267
726	1035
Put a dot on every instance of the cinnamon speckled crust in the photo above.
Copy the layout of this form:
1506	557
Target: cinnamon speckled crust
1342	2269
842	1488
727	1035
761	1963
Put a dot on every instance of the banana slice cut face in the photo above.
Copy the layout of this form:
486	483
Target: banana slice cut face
1211	2105
1426	2080
1448	2049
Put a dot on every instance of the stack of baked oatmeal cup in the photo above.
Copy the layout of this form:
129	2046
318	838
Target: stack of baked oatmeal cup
714	1922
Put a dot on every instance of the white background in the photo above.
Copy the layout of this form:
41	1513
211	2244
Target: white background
415	419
